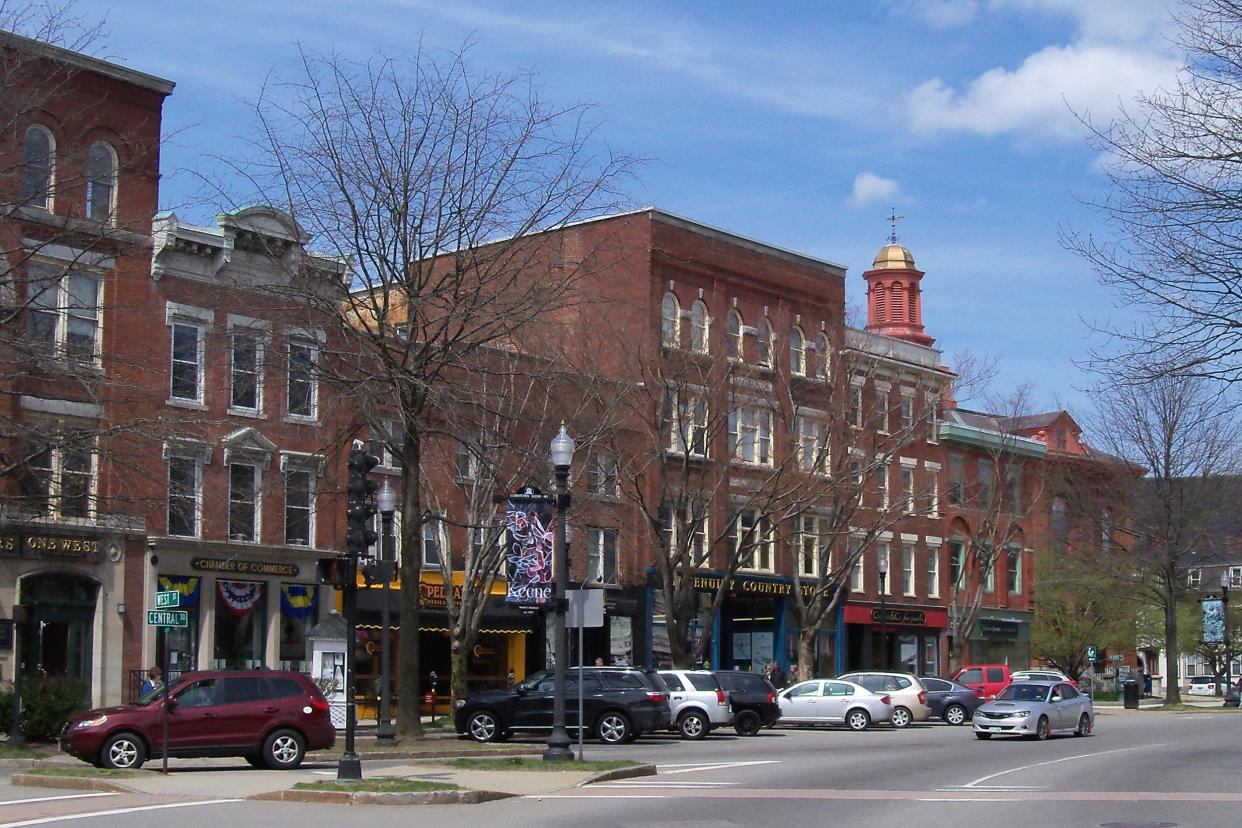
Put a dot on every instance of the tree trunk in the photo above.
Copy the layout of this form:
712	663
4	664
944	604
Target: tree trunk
409	723
1172	690
806	654
460	664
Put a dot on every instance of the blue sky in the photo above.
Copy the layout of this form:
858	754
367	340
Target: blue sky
796	123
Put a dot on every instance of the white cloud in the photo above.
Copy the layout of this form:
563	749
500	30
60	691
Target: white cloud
870	188
1040	97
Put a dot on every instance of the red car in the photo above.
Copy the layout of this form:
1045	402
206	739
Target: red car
985	679
270	718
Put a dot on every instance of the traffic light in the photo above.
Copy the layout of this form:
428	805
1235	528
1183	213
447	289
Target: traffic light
337	572
360	504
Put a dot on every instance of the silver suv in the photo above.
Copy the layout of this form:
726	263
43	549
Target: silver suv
697	702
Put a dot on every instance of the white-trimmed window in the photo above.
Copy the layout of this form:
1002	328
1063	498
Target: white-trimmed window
858	571
933	421
987	560
63	312
1235	577
812	445
465	460
244	496
670	321
601	555
957	564
750	436
880	473
187	362
604	478
907	570
933	572
299	507
907	411
101	182
245	370
763	343
797	352
303	389
907	490
883	411
433	541
1194	578
387	437
733	335
752	541
38	167
185	495
700	327
58	475
811	543
933	496
823	356
855	413
686	414
1014	556
684	528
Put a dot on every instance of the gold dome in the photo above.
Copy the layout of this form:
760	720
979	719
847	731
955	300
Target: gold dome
893	257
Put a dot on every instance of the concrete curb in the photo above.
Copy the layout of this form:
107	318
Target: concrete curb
72	783
381	798
440	753
619	773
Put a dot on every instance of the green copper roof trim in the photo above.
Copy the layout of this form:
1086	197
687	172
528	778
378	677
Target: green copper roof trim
955	434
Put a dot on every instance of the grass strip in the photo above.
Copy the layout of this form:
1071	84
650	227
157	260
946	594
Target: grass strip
378	785
104	773
535	763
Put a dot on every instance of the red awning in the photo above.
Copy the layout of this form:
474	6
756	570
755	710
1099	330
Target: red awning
897	615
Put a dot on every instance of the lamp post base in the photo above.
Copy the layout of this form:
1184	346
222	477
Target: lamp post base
385	734
558	746
349	768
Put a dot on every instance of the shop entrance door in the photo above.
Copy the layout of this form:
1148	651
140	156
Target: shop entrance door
57	640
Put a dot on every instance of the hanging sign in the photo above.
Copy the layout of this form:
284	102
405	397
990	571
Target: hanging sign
1213	621
528	547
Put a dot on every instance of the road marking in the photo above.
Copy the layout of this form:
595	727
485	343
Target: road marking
595	796
711	766
681	786
967	799
53	798
114	812
983	779
1002	788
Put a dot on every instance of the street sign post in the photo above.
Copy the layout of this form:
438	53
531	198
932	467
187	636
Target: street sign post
167	600
168	618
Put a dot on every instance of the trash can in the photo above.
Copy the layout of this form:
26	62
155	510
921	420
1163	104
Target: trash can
1130	694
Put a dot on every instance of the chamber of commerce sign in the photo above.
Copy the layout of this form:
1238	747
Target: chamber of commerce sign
238	567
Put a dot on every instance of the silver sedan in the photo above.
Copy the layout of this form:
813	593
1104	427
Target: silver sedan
832	701
1036	709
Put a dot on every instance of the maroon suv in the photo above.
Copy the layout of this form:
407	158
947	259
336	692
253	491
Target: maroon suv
270	718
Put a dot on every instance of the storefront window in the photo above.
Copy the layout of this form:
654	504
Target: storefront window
241	624
931	655
908	653
180	644
299	610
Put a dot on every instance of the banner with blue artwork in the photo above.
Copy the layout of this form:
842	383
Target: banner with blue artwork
1213	621
298	600
528	548
190	587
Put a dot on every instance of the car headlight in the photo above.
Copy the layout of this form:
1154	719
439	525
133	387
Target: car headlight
459	704
1020	714
95	722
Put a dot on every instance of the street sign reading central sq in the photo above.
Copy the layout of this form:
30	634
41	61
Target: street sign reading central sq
165	600
168	618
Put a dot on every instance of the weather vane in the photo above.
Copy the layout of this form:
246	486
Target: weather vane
893	218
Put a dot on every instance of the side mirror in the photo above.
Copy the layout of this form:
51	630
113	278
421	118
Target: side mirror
171	702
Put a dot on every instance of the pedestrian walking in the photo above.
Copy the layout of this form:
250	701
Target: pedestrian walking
155	681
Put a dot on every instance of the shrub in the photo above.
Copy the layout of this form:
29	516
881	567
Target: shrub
47	702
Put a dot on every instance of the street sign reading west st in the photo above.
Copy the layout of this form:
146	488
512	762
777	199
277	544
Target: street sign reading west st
165	600
168	618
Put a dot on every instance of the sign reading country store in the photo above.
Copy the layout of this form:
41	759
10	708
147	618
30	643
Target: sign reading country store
44	544
750	586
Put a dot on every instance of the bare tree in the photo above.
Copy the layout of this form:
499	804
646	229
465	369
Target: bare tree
1184	433
435	184
1175	213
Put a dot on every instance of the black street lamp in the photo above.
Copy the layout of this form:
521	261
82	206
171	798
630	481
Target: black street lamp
386	500
562	457
882	566
1224	612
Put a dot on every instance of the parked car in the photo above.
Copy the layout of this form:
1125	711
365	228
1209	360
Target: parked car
1036	709
986	679
909	696
1041	675
271	718
697	703
1202	686
834	701
949	700
753	699
619	705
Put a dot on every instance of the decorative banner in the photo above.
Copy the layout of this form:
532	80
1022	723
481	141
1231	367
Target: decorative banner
298	600
1213	621
189	586
240	596
528	550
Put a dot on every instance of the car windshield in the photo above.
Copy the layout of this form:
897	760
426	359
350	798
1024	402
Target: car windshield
1024	692
532	681
150	696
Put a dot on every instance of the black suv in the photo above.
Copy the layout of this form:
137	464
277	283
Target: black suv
618	704
753	698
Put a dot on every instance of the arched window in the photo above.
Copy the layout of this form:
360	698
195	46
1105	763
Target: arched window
698	327
733	335
1060	523
100	182
763	342
670	321
894	303
797	352
822	351
912	302
38	162
881	309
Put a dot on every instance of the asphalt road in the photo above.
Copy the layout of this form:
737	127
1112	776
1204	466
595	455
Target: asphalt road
1140	769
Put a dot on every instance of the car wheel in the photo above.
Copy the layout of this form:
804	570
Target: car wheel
284	749
693	725
858	719
1041	728
613	728
482	726
901	718
1084	726
123	751
955	714
747	723
983	736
